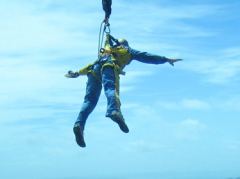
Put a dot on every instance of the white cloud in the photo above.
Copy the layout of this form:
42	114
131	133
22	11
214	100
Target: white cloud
219	68
189	104
224	104
29	30
33	89
133	76
164	15
194	104
190	129
39	34
222	73
26	77
233	52
232	104
233	145
142	145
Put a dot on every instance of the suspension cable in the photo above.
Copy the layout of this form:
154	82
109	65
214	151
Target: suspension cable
99	39
106	29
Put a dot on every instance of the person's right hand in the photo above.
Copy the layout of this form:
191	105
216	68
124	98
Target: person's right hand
72	74
172	61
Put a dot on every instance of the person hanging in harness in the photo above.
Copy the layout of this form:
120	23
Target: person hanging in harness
105	72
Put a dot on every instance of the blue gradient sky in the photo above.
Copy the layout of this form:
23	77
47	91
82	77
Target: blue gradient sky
183	120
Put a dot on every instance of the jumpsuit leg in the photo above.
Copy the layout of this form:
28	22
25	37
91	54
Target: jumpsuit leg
110	84
93	91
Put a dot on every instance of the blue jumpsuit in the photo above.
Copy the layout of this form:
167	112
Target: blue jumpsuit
105	72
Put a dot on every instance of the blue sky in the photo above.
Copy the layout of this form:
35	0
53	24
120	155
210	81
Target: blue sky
183	120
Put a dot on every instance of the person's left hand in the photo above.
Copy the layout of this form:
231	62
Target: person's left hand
172	61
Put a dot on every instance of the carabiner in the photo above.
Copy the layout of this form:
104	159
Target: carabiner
107	29
102	50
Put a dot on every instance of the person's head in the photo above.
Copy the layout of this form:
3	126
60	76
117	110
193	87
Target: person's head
123	42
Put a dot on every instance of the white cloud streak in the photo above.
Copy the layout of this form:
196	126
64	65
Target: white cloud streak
187	104
220	68
190	129
37	37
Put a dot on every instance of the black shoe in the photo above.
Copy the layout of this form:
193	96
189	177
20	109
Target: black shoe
78	131
118	118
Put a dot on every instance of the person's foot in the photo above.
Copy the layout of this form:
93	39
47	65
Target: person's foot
118	118
78	131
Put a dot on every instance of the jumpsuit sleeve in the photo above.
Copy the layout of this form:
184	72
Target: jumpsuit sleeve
107	8
146	57
85	70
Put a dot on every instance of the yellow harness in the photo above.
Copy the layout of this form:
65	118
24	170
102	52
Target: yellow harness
120	57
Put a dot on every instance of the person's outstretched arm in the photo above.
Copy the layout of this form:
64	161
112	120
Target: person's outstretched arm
149	58
82	71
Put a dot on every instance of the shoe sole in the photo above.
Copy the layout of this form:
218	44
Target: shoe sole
79	136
